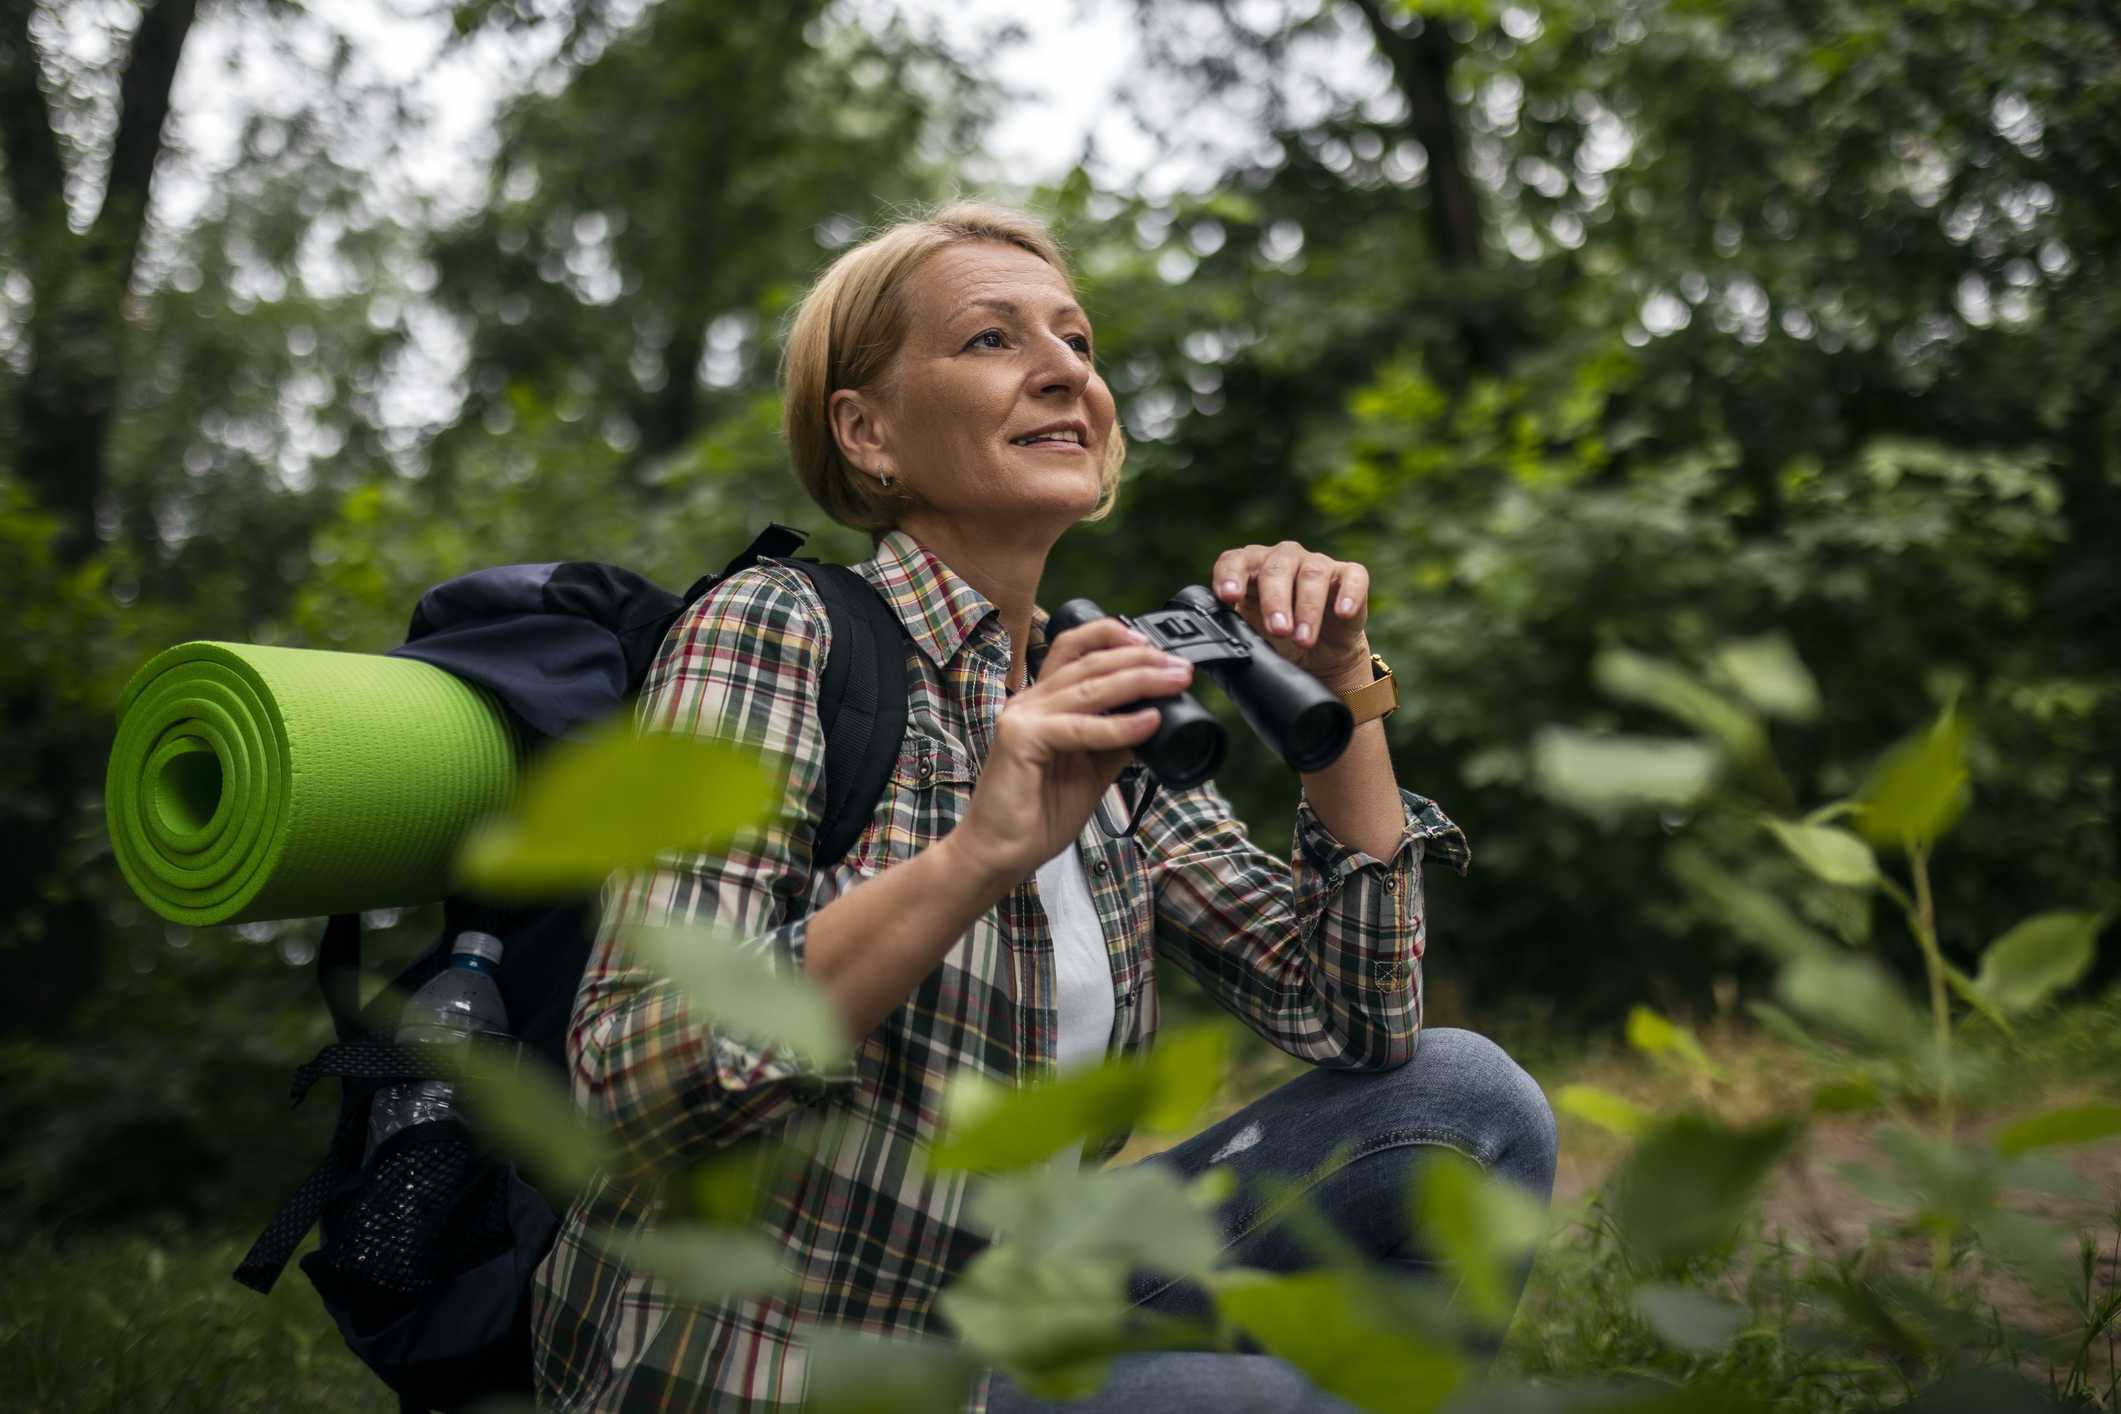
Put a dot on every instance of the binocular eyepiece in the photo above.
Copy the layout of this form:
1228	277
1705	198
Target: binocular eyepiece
1294	713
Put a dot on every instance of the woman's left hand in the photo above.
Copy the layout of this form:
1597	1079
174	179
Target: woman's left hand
1311	607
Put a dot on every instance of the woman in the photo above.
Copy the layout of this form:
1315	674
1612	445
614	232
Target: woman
943	395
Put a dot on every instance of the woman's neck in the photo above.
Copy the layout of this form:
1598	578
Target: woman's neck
1004	569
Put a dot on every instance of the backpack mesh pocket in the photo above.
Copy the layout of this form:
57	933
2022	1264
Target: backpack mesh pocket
422	1213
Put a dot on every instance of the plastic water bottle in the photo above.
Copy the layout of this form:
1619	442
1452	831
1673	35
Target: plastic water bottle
458	1000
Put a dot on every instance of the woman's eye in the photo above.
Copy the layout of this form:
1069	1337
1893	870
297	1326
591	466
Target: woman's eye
1079	343
992	339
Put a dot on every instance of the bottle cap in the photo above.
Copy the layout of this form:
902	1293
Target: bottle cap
479	945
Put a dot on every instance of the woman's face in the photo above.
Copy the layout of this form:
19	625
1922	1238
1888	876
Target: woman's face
996	415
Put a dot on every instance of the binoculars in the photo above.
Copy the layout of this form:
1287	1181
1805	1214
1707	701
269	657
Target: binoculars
1293	712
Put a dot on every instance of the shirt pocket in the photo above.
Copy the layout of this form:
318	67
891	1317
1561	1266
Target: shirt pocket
929	788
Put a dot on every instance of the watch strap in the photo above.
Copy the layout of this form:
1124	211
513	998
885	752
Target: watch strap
1380	698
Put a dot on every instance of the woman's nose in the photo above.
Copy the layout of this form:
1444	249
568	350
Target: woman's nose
1060	369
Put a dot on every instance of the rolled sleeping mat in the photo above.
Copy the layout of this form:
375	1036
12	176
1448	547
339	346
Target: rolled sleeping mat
252	783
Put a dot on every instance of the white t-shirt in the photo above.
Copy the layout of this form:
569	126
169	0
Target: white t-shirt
1082	969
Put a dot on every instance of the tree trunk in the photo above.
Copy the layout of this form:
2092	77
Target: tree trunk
79	280
1421	57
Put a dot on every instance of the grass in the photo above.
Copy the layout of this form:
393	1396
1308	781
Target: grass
111	1325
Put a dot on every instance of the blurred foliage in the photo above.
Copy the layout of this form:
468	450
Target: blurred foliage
1785	318
1790	316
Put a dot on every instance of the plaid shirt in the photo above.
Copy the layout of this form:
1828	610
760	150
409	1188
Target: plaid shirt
1323	960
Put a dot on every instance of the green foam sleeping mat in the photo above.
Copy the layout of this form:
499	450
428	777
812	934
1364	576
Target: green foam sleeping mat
253	783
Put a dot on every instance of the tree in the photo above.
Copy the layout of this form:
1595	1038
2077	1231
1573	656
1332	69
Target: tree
1802	285
651	223
78	279
177	406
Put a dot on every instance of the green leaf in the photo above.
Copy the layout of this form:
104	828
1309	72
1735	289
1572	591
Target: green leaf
527	1113
1483	1227
1918	788
1141	1216
1653	682
728	1186
1853	995
1768	674
738	990
2079	1124
1690	1184
708	1262
1048	1300
2038	958
1600	773
850	1373
1775	1019
1652	1032
1759	918
1309	1321
1831	854
993	1130
1688	1319
1603	1108
1183	1073
615	801
1845	1097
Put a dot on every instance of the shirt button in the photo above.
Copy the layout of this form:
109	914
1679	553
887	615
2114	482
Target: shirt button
1103	867
927	767
1391	886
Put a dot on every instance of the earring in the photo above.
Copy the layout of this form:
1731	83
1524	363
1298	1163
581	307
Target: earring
883	477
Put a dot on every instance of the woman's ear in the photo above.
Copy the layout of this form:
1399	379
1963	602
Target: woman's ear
858	428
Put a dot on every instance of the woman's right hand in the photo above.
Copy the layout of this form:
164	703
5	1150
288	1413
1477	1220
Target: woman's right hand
1055	752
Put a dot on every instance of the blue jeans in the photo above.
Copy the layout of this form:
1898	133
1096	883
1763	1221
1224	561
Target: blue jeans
1348	1142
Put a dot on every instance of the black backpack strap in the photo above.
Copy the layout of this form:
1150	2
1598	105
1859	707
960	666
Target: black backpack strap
861	704
268	1255
339	972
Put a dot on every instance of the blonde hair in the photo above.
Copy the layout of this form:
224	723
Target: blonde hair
848	331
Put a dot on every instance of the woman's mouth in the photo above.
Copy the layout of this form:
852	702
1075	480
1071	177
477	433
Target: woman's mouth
1051	437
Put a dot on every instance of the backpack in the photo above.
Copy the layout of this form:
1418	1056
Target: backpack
427	1251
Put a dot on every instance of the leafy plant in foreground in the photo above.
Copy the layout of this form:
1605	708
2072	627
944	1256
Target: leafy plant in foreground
1048	1301
1692	1183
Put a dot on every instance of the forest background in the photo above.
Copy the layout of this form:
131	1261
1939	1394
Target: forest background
1586	324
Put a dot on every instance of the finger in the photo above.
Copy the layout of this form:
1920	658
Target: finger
1234	570
1113	690
1087	639
1314	586
1096	664
1096	734
1275	582
1101	692
1352	598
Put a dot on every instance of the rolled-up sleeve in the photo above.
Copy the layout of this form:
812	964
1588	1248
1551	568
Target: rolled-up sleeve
742	665
1322	957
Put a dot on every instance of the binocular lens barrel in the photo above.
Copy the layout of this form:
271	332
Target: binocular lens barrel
1293	712
1189	745
1305	723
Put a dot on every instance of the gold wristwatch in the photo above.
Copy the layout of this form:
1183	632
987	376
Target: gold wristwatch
1379	699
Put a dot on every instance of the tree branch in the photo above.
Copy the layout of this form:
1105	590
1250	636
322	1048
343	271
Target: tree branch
143	108
36	177
1421	64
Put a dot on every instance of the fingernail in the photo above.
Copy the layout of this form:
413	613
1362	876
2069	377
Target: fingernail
1303	633
1177	667
1229	589
1345	607
1278	622
1135	635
